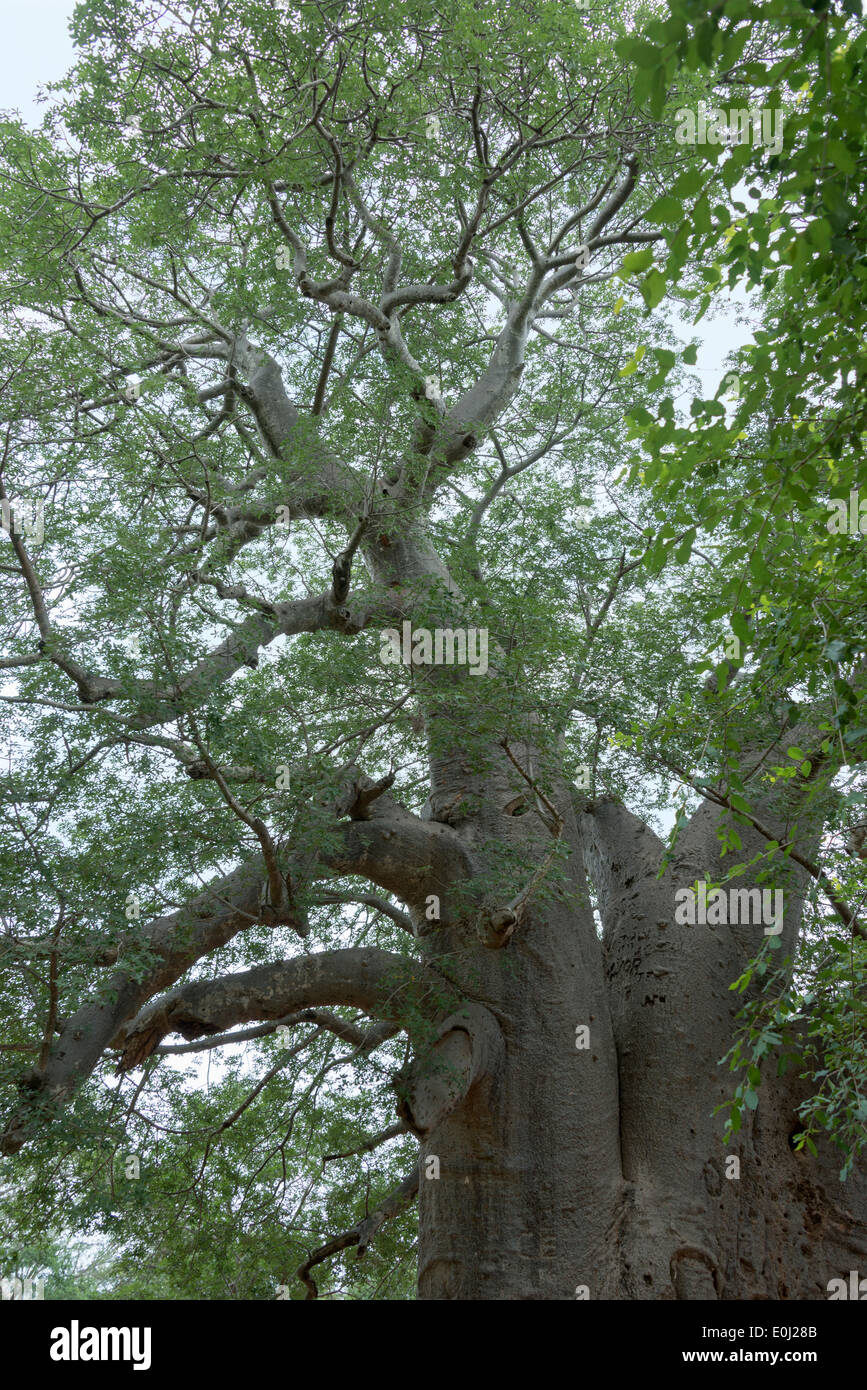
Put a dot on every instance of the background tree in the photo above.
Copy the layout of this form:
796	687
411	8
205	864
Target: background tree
320	323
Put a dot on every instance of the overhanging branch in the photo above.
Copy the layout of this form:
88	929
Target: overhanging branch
381	983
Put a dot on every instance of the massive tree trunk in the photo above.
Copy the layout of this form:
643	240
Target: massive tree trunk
529	1198
599	1171
604	1167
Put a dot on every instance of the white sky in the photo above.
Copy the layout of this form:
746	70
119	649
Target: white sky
36	48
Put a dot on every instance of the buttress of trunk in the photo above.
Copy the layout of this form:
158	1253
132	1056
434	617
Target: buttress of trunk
528	1197
773	1224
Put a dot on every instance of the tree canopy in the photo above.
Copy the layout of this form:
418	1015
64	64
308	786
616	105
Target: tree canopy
320	320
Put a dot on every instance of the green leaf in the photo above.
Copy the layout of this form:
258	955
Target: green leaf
634	361
653	289
684	550
689	182
665	209
643	54
853	736
841	157
635	262
701	217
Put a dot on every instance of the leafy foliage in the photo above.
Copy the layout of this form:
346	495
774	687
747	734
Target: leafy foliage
628	553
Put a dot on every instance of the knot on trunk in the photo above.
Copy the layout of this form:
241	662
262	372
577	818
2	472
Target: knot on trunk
469	1049
358	794
496	926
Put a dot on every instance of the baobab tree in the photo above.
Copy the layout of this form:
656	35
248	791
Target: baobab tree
352	664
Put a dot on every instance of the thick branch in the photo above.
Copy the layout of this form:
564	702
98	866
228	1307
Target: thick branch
379	982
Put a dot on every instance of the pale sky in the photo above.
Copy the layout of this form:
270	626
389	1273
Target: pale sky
36	48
